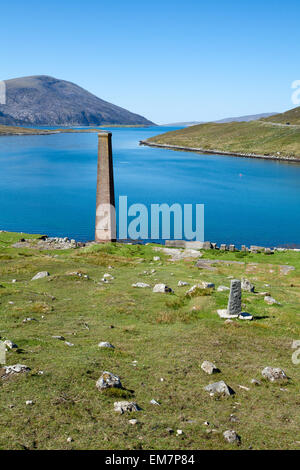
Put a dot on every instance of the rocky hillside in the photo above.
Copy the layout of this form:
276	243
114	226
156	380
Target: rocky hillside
44	100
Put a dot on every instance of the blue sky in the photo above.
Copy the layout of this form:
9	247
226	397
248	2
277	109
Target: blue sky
168	60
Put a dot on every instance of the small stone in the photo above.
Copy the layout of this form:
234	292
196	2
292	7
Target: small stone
182	283
40	275
247	286
26	320
156	258
162	288
133	422
274	374
29	402
126	406
170	430
219	388
222	288
231	437
108	380
10	344
154	402
61	338
70	439
107	276
12	370
142	285
14	281
69	344
105	344
296	344
270	300
209	367
244	388
256	382
179	432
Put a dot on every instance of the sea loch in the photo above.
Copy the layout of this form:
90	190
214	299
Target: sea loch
48	185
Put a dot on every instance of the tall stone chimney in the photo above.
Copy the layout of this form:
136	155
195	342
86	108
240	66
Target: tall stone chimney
105	204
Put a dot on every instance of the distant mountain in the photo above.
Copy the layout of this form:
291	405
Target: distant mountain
289	117
43	100
250	117
182	124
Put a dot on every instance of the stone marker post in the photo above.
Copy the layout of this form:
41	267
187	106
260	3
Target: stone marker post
234	306
105	204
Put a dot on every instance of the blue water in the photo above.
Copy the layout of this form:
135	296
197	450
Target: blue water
48	185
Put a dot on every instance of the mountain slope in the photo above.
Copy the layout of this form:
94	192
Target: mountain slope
292	117
44	100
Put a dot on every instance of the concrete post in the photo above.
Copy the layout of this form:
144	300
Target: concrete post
105	204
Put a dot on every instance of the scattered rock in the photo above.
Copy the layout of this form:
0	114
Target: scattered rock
10	345
296	344
219	388
247	286
40	275
15	369
140	284
108	380
162	288
69	344
70	439
209	367
202	285
222	288
231	437
126	406
105	344
244	388
108	276
133	422
179	432
29	402
274	374
182	283
156	258
256	382
26	320
154	402
61	338
270	300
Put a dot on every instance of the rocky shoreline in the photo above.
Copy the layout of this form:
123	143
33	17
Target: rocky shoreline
219	152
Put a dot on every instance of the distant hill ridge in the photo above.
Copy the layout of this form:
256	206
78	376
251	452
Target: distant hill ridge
248	118
45	100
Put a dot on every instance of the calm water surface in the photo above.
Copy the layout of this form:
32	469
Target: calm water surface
48	185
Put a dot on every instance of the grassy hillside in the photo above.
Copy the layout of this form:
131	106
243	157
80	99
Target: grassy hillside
256	137
160	342
292	116
14	130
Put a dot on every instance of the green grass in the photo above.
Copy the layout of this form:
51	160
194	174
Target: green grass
256	137
292	116
169	335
